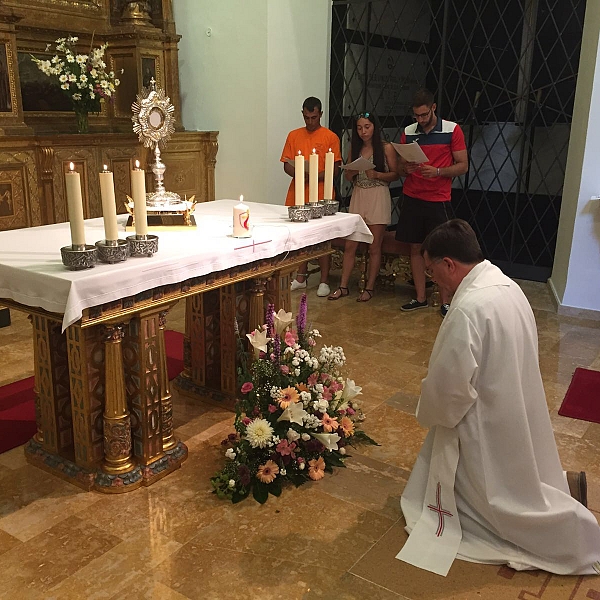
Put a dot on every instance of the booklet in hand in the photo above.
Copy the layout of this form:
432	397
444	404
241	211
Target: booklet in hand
360	164
410	152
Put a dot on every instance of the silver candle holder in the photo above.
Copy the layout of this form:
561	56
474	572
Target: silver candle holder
317	210
331	207
299	214
142	245
79	256
112	251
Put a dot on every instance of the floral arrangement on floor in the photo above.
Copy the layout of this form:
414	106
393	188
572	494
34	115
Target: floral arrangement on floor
82	77
296	416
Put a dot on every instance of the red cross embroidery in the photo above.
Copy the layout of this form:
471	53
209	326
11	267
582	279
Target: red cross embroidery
252	245
439	510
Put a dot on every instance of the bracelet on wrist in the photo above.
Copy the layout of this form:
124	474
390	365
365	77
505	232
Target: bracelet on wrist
438	171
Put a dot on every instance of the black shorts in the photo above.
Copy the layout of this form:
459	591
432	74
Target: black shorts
419	217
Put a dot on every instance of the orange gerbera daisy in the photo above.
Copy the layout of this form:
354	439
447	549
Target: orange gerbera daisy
329	423
316	468
302	387
347	426
288	396
267	472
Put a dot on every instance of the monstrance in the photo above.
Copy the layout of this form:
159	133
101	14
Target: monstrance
154	122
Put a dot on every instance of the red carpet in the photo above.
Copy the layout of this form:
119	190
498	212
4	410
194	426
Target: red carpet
17	403
582	400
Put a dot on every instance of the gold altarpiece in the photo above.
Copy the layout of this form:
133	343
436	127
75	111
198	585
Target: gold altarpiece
38	128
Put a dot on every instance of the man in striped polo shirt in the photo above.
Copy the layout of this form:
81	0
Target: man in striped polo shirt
427	186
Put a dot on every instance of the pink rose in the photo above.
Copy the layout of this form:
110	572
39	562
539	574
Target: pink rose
350	410
272	408
284	369
247	387
246	421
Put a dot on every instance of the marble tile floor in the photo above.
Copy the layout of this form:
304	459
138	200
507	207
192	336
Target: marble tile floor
335	539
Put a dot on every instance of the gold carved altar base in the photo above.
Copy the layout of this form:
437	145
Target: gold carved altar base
103	401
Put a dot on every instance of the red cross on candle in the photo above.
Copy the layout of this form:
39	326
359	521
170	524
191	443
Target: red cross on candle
439	510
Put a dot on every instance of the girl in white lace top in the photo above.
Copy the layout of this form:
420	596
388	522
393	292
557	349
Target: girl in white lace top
370	198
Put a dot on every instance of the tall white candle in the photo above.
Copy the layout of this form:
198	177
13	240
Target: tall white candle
109	206
328	192
241	219
138	193
313	177
75	206
299	179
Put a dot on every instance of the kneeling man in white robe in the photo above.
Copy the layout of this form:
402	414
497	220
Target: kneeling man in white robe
488	485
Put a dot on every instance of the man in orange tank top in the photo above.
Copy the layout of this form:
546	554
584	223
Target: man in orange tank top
305	139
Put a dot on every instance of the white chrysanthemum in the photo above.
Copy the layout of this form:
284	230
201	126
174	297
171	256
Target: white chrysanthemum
64	86
229	453
77	96
63	78
72	77
81	59
70	57
83	78
259	433
92	95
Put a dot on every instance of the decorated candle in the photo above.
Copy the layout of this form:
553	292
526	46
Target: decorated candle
313	177
75	206
299	179
328	175
241	219
138	192
109	206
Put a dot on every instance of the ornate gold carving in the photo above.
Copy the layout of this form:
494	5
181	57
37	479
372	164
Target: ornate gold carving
168	439
136	12
117	424
142	373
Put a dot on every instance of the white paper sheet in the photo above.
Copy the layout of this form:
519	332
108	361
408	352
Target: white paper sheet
360	164
410	152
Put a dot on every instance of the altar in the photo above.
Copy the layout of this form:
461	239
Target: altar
103	399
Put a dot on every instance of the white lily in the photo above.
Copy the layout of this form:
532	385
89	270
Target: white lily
294	413
281	320
329	440
259	341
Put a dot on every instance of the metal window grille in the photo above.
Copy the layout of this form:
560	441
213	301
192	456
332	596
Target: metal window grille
505	70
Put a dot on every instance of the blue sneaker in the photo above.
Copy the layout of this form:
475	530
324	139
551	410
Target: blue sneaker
414	304
444	308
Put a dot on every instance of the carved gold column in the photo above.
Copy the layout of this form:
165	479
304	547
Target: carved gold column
117	423
168	438
228	340
257	304
278	290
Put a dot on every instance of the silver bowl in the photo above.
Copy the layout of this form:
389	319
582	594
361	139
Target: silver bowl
299	214
331	207
317	210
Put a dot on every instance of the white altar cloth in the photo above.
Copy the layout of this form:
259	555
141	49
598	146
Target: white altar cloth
32	273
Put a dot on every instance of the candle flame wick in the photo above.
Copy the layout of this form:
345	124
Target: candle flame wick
105	167
299	152
137	164
71	166
314	150
242	198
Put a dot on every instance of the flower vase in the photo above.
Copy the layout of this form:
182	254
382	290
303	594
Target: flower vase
81	117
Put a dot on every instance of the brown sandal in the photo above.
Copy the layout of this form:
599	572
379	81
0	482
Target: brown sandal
360	298
343	292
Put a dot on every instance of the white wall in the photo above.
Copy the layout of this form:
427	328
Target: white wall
576	274
248	80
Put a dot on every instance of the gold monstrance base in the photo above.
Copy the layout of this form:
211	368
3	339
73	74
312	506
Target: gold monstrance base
165	222
174	216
